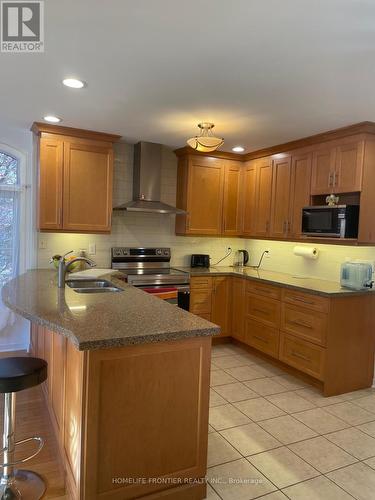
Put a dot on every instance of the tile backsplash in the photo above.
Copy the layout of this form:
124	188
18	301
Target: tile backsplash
145	229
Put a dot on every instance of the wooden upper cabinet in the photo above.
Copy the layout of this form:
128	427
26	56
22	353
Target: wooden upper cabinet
263	197
88	171
280	197
349	165
323	167
249	198
299	191
232	207
50	184
75	179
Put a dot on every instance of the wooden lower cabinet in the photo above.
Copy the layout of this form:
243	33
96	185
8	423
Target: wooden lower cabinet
145	437
262	337
238	309
302	355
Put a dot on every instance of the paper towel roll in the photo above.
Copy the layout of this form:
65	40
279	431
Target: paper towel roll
307	252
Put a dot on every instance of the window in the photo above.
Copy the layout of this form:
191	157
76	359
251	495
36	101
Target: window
10	200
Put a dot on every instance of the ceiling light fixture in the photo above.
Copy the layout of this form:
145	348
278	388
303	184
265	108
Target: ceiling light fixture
52	119
74	83
206	141
238	149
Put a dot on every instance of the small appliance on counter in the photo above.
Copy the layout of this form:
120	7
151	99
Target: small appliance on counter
241	258
200	260
356	275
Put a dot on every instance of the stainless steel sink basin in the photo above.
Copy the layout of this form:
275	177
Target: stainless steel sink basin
92	286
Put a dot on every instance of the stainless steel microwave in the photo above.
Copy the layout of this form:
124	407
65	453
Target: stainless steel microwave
339	221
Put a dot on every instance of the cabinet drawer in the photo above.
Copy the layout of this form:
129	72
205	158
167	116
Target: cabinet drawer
200	301
201	282
302	322
262	309
308	358
262	337
308	300
273	292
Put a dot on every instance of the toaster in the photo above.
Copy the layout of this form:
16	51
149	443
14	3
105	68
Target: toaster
200	260
356	275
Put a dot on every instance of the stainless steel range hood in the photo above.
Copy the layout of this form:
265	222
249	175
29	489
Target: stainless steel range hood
147	181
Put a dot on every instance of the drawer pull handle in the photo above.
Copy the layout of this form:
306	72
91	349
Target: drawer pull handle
301	323
305	301
301	356
260	310
262	290
260	338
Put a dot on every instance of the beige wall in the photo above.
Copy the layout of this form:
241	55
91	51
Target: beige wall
141	229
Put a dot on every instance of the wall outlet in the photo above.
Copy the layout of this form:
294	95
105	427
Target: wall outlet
268	254
43	244
92	249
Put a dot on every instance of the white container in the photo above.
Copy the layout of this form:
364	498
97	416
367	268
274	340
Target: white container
356	275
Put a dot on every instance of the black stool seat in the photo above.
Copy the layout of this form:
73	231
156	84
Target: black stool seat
19	373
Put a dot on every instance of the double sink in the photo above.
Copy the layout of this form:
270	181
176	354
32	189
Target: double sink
92	286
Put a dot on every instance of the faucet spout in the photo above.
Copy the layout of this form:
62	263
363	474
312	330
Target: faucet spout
64	268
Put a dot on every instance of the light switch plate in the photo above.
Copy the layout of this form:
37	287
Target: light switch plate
92	249
43	244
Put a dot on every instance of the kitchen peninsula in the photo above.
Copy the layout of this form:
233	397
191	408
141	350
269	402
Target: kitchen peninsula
127	389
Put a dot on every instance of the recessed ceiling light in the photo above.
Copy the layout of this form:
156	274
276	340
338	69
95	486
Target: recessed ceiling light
52	119
238	149
74	83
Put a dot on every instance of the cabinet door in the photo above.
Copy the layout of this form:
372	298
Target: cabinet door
220	304
87	187
232	209
349	164
280	196
205	196
50	184
263	197
366	232
323	167
249	198
299	191
238	309
58	380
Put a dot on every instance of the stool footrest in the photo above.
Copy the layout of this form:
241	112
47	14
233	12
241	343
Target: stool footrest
23	460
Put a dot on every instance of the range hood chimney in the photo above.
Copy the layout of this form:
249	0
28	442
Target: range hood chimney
147	181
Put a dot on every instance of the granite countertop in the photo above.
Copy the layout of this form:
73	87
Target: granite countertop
100	320
303	283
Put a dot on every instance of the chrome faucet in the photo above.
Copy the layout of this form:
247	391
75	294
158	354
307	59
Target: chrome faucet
64	268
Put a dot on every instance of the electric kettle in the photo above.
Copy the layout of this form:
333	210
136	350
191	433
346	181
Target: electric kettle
241	258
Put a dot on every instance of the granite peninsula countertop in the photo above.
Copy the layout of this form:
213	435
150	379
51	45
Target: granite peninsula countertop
302	283
100	320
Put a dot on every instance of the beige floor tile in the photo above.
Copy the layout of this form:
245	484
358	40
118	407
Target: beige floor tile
283	467
319	488
238	480
229	361
358	480
269	370
250	439
315	396
265	386
220	451
321	421
259	409
350	413
223	350
219	377
371	462
251	358
355	442
210	429
287	430
361	393
289	382
216	399
276	495
322	454
213	367
236	392
290	402
368	428
368	403
243	373
211	494
226	416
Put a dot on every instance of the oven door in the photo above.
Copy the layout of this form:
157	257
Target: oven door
177	295
323	221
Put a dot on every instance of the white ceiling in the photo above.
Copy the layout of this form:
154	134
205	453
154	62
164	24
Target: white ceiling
265	71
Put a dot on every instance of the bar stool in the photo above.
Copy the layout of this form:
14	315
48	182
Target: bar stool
17	374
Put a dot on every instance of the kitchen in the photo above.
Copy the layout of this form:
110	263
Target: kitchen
261	383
